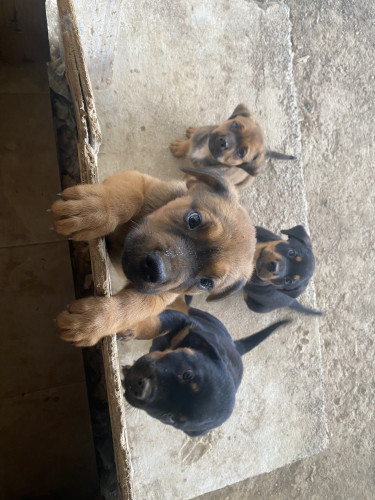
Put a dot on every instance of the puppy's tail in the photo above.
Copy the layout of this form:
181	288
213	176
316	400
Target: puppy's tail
302	309
279	156
248	343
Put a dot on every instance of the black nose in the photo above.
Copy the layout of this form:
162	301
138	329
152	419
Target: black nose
152	268
223	143
140	387
273	266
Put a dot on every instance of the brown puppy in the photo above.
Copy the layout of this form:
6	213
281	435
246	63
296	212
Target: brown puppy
168	238
234	149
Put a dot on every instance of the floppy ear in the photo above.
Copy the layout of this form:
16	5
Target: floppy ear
278	156
229	290
125	371
299	233
172	321
263	235
253	167
199	343
241	110
215	181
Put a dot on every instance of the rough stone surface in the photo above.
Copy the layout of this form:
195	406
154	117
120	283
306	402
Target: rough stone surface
176	67
334	72
159	90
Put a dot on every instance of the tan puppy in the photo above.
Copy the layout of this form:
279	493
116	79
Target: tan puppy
234	149
168	238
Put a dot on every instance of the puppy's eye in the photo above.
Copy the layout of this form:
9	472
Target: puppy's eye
291	252
188	375
234	125
240	152
205	284
288	281
193	219
168	418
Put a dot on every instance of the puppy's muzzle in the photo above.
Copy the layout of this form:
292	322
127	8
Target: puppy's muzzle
269	269
273	267
140	388
218	143
152	268
223	143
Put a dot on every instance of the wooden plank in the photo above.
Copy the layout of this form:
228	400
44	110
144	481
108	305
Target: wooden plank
89	140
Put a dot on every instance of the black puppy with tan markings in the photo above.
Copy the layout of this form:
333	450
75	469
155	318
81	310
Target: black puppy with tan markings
234	149
168	238
282	271
190	377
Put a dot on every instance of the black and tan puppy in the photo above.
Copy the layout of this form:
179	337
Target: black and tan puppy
282	271
234	149
190	377
168	238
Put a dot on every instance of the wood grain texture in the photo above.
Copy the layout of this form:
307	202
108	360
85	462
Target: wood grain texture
89	140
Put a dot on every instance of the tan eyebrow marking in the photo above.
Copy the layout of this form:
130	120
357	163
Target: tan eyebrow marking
186	349
179	337
194	387
296	277
161	354
299	258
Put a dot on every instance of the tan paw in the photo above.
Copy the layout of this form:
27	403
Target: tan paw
84	212
190	131
86	321
179	148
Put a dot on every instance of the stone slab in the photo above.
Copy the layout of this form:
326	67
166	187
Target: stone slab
180	64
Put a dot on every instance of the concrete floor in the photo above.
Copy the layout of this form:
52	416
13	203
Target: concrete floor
334	73
308	72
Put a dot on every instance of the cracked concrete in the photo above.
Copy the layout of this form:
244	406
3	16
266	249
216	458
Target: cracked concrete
334	74
159	89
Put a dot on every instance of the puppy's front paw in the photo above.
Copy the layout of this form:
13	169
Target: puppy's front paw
84	212
86	321
190	131
179	148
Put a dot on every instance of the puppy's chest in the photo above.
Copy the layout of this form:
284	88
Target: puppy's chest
200	152
199	149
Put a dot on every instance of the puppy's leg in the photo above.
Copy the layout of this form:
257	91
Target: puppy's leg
179	305
172	321
152	327
190	131
147	329
88	320
179	148
93	210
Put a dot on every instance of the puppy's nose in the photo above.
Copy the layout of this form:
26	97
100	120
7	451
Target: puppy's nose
273	266
223	143
140	388
152	268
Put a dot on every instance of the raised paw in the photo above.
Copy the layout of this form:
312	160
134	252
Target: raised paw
190	131
86	321
179	148
84	212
